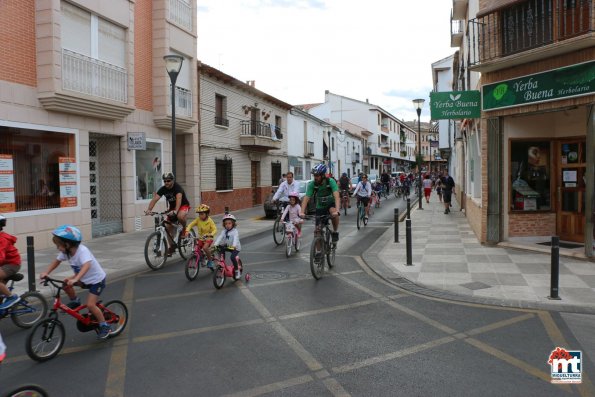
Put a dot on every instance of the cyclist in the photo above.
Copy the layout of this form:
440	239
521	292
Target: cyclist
385	179
88	273
10	263
177	203
230	238
206	231
289	185
326	196
293	212
345	185
363	191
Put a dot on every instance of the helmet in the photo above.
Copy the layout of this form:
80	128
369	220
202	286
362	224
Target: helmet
2	220
229	216
295	195
69	233
203	208
319	169
167	175
344	174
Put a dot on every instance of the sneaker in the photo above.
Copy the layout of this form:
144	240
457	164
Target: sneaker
237	275
10	301
366	217
104	332
335	236
210	265
74	304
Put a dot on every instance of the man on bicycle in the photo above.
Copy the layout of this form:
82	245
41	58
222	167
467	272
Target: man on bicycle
286	187
177	203
385	179
345	185
326	196
363	191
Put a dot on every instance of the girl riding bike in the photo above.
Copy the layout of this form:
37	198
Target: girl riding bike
206	231
230	238
293	210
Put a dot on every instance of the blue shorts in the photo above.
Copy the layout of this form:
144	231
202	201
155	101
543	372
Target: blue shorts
95	289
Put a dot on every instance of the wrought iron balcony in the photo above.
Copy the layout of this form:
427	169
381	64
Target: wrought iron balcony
532	25
257	136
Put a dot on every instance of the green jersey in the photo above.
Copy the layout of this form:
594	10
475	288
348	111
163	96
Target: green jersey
323	193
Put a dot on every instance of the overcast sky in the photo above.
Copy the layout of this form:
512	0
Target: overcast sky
296	49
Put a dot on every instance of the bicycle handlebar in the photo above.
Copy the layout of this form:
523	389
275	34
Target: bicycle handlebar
53	281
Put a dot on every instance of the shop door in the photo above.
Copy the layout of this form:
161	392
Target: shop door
570	200
105	188
254	177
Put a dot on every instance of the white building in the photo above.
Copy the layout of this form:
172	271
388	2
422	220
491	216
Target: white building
305	142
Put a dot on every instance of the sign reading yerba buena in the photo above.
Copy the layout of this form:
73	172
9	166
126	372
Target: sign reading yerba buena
567	82
455	105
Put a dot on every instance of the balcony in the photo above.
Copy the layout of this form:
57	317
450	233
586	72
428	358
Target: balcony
456	32
180	13
184	120
529	31
257	136
221	121
459	9
355	158
309	149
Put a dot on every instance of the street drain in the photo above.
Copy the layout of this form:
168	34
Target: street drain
269	275
475	285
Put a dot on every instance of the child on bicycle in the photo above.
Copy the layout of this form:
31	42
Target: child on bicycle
230	238
206	231
10	263
88	273
293	210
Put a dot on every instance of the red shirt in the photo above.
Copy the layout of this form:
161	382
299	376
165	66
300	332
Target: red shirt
9	254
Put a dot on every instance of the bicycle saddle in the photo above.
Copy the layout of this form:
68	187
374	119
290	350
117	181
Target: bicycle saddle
16	277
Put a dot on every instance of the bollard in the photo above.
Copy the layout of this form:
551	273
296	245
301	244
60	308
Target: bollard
30	263
408	241
226	210
396	221
555	270
408	208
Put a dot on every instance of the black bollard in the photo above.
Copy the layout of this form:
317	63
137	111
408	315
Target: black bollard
555	271
396	221
226	210
408	208
408	241
31	263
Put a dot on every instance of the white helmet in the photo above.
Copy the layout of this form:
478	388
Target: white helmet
229	216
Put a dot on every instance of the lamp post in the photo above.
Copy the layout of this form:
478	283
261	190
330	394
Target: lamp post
330	163
430	139
419	104
173	64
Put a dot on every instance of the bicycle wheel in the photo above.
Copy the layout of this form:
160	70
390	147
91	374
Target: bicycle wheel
45	340
29	310
155	251
219	277
288	246
359	216
28	391
186	246
317	257
116	316
330	255
298	243
278	231
345	205
192	267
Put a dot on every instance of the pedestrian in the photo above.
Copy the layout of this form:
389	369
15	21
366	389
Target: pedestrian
427	185
448	185
283	179
439	188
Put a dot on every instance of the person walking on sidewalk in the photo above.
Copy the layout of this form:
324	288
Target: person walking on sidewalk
427	185
439	188
448	185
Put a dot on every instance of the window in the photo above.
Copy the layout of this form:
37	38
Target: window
332	143
221	110
299	171
38	169
530	175
148	170
278	123
275	174
223	175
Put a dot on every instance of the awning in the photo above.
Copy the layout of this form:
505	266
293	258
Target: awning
495	5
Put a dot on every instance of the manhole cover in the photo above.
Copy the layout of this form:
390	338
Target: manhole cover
476	285
267	275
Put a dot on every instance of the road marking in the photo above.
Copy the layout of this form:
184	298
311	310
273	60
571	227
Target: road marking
360	287
182	295
116	373
335	388
272	387
264	312
297	347
499	324
328	309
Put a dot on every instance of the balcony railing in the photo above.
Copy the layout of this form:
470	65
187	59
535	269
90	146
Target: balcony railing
528	25
456	32
180	12
221	121
183	102
355	158
277	130
256	128
91	76
310	149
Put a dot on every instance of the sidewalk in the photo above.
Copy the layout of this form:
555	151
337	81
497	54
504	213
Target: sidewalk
123	254
449	261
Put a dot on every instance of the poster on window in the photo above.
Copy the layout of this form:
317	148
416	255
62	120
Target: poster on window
68	186
7	201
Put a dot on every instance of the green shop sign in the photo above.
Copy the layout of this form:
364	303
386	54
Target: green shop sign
567	82
455	105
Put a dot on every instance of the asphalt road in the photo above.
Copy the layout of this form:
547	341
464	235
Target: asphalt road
286	334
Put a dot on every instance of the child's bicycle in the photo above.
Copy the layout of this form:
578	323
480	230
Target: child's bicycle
197	260
29	310
223	270
47	337
291	238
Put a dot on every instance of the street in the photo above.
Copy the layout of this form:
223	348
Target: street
284	333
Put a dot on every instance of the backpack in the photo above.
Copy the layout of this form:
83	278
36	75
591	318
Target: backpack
316	189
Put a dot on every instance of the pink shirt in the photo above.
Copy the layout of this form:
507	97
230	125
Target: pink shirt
294	213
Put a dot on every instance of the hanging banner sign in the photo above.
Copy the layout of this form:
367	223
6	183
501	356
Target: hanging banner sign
68	178
455	105
7	199
567	82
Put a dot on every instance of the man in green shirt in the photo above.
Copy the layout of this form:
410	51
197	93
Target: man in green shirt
326	195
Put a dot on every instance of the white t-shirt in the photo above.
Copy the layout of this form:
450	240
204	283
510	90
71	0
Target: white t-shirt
427	183
94	275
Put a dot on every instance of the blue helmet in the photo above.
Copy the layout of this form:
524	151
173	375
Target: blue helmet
68	232
319	169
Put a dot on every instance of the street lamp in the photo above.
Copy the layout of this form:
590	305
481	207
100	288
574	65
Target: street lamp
173	64
419	104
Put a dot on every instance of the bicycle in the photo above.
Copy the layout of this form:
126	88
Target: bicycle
50	332
279	226
291	239
344	201
322	247
158	243
27	391
29	310
224	270
361	214
197	259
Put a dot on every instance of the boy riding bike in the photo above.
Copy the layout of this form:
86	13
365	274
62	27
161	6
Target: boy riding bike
206	231
10	263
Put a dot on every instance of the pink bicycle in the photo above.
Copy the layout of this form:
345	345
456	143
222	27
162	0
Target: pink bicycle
224	270
292	239
197	260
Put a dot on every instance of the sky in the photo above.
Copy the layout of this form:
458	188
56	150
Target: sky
381	50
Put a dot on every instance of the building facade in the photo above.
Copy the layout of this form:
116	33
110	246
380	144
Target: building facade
304	142
79	81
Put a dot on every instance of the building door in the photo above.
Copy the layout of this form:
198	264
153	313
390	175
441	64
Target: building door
570	189
254	177
105	185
